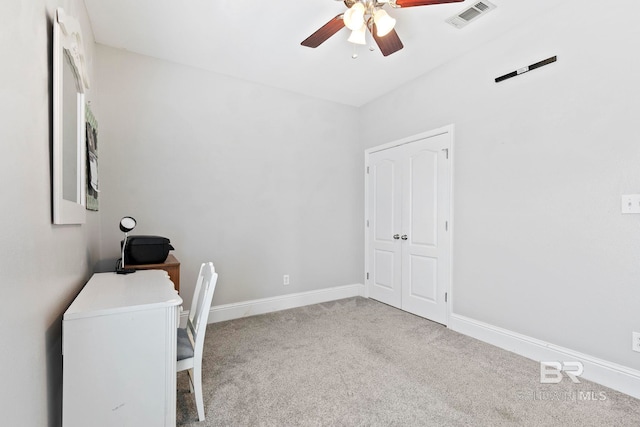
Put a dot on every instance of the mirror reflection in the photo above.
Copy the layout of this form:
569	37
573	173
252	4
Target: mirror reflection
70	141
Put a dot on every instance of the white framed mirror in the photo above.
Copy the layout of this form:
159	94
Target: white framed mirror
69	148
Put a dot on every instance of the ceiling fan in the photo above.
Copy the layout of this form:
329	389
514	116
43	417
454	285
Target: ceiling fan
368	14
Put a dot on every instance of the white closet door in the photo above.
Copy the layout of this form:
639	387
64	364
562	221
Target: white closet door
385	201
409	243
425	211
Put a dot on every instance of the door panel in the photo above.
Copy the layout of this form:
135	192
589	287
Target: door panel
384	267
423	272
384	190
423	198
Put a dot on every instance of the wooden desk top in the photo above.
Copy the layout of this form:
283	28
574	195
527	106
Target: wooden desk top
170	261
171	265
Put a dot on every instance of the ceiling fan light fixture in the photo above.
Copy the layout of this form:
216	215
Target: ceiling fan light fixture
354	17
358	36
384	22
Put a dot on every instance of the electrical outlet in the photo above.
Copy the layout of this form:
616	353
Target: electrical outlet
285	279
635	346
630	203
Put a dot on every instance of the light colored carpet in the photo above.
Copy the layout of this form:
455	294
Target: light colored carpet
357	362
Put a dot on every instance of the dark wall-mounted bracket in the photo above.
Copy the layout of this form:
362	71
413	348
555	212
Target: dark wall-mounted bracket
526	69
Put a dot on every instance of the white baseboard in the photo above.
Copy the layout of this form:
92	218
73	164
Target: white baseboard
608	374
220	313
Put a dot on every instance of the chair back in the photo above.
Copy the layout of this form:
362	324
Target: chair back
201	305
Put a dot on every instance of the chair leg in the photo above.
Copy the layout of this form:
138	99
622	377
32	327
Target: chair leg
197	386
190	372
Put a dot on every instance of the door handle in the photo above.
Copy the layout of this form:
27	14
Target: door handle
404	237
396	236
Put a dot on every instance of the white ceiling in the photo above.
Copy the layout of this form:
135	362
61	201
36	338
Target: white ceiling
259	41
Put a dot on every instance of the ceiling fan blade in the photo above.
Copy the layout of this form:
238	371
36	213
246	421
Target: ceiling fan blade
411	3
388	44
326	31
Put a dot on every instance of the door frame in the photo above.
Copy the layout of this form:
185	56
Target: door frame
448	129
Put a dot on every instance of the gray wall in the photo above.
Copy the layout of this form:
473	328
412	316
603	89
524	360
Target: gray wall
42	266
541	160
260	181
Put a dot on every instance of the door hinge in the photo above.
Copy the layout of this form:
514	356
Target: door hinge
446	152
367	169
445	296
367	276
446	226
367	223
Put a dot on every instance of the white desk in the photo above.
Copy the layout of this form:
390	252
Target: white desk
119	352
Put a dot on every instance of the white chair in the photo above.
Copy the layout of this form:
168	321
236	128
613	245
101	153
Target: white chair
191	339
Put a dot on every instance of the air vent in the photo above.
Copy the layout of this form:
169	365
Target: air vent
471	14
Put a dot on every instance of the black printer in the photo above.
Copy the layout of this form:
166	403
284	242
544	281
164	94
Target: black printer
146	249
